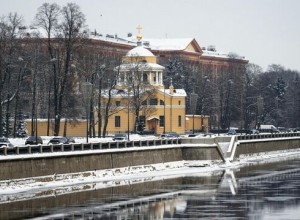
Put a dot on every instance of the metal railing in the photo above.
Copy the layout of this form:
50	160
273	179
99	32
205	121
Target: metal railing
265	136
33	149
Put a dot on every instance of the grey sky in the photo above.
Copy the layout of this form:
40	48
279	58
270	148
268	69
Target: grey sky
264	31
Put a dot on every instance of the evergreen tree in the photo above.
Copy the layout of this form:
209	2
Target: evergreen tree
3	125
21	130
280	88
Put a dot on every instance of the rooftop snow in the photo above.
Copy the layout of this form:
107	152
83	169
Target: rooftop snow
139	51
140	67
169	44
177	92
154	44
207	53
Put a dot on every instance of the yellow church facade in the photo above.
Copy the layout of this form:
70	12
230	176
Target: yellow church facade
167	114
160	110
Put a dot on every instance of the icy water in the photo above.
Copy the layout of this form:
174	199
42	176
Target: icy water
256	191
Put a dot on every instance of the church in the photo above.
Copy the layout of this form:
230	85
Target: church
140	98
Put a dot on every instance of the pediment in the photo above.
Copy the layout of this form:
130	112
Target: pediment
193	46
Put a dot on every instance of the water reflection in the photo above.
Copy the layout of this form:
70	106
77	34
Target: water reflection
257	191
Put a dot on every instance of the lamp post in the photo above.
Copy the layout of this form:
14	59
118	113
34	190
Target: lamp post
164	109
87	92
128	114
193	104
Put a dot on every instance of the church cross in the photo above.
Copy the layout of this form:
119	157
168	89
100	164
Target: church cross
139	28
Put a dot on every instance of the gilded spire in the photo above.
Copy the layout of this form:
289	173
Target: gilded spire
139	36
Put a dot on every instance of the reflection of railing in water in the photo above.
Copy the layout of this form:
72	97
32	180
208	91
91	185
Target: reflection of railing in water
154	207
140	196
272	176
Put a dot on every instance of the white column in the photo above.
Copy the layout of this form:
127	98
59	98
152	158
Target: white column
156	78
161	78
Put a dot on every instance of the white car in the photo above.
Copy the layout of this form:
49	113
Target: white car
120	137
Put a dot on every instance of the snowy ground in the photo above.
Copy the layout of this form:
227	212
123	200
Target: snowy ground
21	141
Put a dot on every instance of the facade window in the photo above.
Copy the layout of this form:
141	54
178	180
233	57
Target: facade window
179	120
144	102
118	103
117	121
153	101
145	78
161	121
161	102
179	102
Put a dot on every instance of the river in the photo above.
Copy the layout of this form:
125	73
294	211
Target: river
256	191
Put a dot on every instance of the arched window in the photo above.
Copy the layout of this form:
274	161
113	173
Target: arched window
145	77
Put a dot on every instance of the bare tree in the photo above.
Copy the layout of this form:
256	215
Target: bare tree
47	18
110	108
9	49
68	27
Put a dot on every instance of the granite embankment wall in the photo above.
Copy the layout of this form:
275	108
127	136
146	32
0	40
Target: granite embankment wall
23	167
40	164
248	147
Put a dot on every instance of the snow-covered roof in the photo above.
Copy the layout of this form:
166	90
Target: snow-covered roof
208	53
139	51
161	44
123	93
140	66
168	44
176	92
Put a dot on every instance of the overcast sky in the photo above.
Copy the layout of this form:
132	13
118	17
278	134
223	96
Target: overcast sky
264	31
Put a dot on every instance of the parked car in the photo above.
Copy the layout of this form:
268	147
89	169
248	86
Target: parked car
59	140
252	131
120	137
70	140
231	132
208	134
192	135
268	129
34	140
4	142
283	129
295	129
169	135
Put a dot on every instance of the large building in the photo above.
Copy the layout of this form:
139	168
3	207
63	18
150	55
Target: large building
166	106
187	49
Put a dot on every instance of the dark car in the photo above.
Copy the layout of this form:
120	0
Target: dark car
252	131
34	140
4	142
169	135
192	135
59	140
120	137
